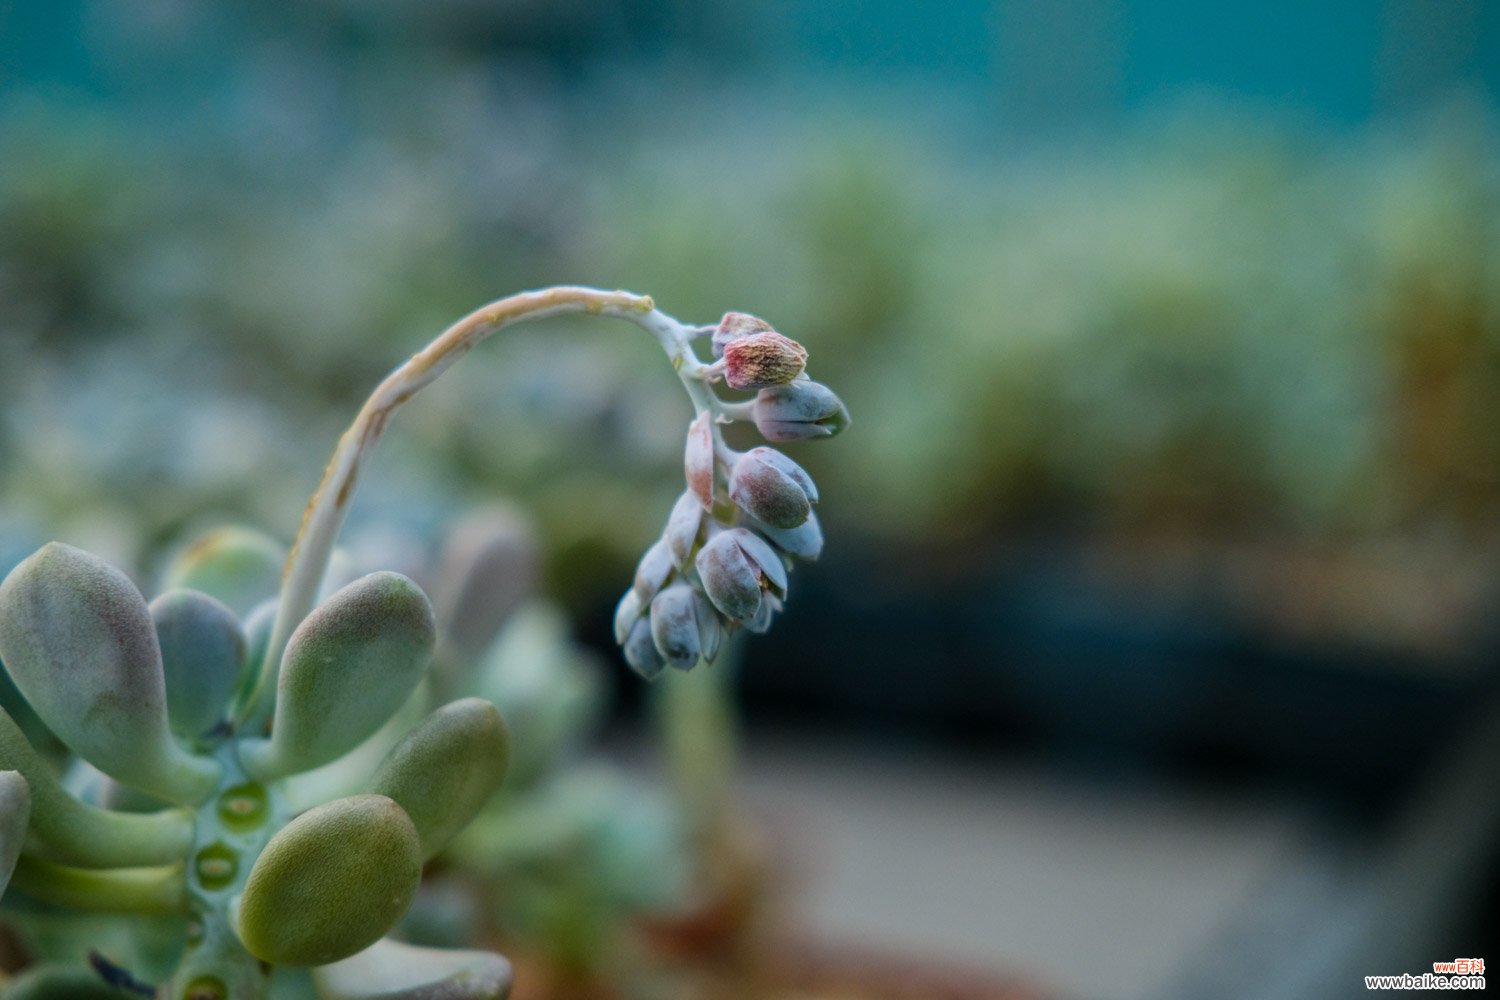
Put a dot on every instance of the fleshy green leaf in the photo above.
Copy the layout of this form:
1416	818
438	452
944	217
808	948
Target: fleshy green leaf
160	891
68	831
15	812
202	652
332	882
80	645
347	668
391	970
238	566
61	982
351	773
444	772
548	690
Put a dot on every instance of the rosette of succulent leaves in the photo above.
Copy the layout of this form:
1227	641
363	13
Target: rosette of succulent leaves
262	874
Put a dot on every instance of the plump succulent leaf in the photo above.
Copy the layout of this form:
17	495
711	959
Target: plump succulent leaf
331	883
238	566
25	716
66	830
351	773
202	654
444	772
391	970
347	668
15	813
160	891
490	563
80	645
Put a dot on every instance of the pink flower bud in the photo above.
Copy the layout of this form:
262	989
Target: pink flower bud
762	360
734	326
698	460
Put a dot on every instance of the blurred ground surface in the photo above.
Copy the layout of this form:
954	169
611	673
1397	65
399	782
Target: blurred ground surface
1092	889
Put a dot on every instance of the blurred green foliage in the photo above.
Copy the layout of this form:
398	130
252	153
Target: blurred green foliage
1211	322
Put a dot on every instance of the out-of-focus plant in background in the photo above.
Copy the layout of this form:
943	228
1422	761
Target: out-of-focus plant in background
1231	362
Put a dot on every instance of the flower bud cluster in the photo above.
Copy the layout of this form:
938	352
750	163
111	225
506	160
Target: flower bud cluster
722	560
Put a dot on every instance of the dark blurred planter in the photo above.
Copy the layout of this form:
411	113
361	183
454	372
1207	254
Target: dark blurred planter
1103	653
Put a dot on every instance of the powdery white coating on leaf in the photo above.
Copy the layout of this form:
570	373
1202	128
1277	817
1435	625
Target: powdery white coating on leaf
81	647
331	883
393	970
446	769
347	668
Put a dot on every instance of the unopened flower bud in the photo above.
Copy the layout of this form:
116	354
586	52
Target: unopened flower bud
627	613
734	326
735	567
799	410
682	528
761	623
762	360
772	488
698	460
640	650
804	541
681	619
652	573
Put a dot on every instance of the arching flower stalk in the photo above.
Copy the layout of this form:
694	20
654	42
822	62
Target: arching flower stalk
209	712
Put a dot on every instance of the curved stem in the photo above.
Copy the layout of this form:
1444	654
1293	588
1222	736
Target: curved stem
329	505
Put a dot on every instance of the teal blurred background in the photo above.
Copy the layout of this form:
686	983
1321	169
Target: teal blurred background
1171	334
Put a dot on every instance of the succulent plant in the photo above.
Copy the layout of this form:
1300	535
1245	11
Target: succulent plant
231	737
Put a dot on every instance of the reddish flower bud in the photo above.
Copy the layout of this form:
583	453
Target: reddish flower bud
736	325
698	460
762	360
